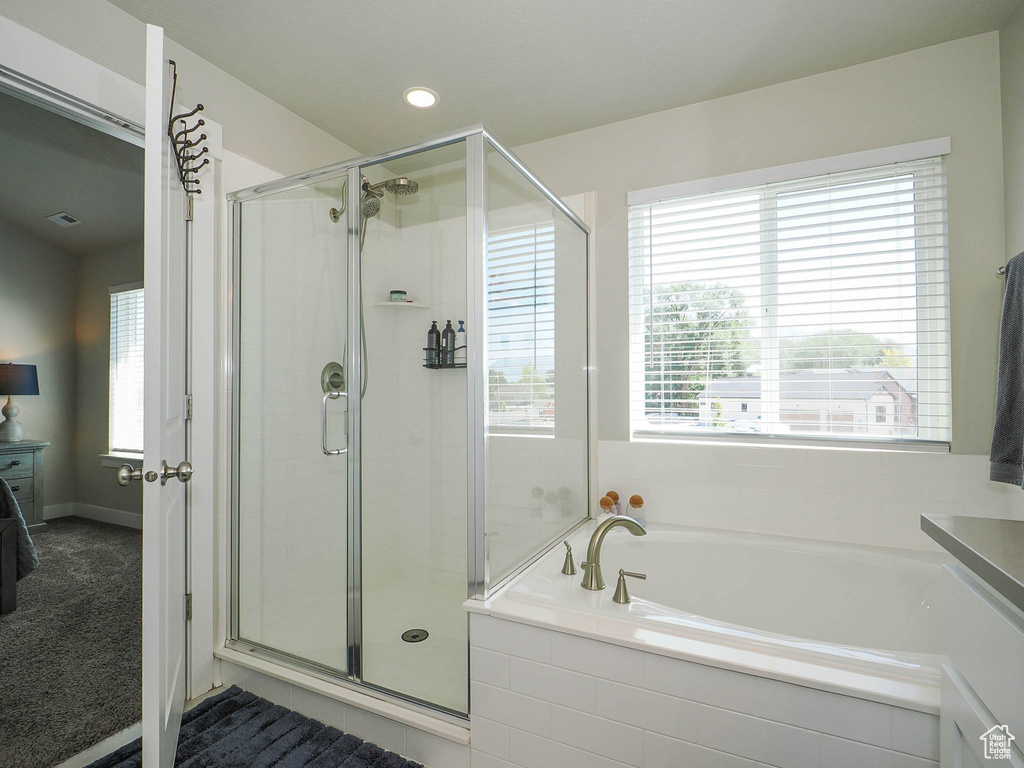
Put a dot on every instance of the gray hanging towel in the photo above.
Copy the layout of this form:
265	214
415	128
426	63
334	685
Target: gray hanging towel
27	558
1007	456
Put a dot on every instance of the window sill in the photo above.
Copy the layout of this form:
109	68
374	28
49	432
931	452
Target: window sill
543	434
117	459
760	441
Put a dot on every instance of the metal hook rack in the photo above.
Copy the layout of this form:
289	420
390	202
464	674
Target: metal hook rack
187	151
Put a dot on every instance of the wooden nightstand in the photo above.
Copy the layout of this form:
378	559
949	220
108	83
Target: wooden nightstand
21	465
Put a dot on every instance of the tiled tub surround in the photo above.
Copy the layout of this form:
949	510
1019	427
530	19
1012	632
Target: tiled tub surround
854	496
561	676
545	698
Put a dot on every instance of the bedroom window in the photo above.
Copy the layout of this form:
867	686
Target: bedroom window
801	307
126	369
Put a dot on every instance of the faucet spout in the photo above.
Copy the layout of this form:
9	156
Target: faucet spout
592	578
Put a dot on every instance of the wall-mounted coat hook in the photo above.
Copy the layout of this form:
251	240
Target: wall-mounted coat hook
187	162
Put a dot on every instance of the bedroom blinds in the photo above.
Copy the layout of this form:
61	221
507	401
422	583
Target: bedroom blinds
126	369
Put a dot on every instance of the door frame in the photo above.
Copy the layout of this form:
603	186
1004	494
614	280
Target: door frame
43	72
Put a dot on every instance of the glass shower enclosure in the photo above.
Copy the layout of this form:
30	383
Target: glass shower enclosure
377	481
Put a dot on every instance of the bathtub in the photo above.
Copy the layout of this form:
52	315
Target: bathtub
857	620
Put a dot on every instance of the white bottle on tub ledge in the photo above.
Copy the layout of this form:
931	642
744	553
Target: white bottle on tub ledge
616	507
636	506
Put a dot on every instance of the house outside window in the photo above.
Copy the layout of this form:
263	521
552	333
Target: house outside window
126	391
810	307
521	329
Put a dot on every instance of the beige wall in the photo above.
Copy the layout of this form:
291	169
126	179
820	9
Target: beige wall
254	126
945	90
55	314
1011	55
94	484
37	321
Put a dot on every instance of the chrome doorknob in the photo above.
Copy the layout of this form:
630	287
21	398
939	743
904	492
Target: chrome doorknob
183	472
126	473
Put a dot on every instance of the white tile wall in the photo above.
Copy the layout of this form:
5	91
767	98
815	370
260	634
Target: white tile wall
852	496
624	707
414	454
520	524
414	428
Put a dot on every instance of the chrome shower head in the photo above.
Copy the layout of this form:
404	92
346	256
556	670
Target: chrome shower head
397	186
370	205
369	202
401	186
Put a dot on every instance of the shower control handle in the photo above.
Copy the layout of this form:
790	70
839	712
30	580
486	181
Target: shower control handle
332	395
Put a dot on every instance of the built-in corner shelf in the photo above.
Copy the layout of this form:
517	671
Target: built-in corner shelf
402	304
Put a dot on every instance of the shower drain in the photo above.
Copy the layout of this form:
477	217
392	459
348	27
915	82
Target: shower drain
415	635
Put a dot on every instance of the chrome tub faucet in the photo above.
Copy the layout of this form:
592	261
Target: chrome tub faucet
592	578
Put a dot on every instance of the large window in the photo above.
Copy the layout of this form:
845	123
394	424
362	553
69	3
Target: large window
815	307
126	369
521	328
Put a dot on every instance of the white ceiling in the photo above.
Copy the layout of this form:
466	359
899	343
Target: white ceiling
532	69
51	163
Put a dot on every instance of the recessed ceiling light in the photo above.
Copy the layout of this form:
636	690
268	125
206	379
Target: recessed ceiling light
421	98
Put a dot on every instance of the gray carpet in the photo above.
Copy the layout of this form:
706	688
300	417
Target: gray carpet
237	729
71	654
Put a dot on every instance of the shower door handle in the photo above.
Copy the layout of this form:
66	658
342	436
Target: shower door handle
323	424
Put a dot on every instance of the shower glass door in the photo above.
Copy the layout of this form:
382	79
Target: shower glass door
377	484
414	431
290	324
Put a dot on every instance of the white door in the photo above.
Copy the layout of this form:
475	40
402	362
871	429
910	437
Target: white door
164	498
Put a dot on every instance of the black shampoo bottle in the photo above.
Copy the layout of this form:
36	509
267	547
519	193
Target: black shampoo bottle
433	344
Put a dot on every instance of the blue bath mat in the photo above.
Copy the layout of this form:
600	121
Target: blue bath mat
237	729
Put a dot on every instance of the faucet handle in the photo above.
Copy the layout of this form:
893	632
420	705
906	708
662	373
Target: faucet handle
569	567
621	595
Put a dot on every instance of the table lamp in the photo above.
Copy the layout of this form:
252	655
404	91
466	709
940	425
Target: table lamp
15	380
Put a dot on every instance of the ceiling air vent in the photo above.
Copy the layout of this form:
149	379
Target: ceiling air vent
63	219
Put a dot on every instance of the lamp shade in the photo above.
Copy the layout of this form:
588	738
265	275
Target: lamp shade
18	380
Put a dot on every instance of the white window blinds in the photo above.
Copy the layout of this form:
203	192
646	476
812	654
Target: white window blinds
800	308
126	369
521	328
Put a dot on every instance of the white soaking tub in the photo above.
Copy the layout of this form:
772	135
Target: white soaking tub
851	619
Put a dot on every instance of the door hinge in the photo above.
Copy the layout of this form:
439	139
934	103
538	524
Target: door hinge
188	606
188	207
188	407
